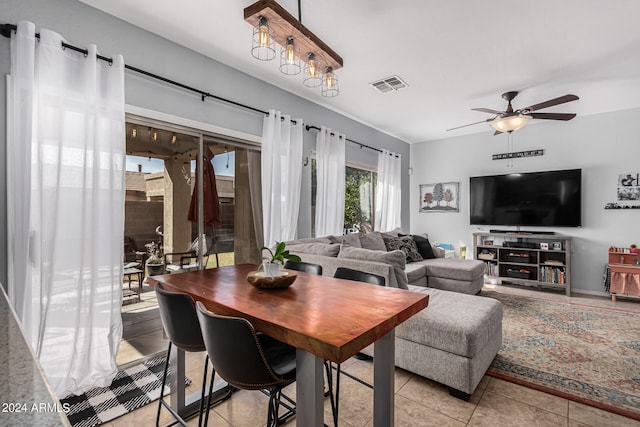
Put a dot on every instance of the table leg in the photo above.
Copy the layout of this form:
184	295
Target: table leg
383	380
309	390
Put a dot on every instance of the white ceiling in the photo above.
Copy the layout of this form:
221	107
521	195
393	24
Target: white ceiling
455	55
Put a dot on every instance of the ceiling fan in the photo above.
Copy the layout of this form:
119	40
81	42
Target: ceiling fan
510	119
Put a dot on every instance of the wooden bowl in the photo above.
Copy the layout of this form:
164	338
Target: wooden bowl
261	281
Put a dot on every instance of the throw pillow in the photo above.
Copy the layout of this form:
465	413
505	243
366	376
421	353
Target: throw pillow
372	241
325	249
424	247
396	259
352	239
406	245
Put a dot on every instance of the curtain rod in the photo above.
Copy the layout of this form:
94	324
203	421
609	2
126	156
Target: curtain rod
6	29
310	127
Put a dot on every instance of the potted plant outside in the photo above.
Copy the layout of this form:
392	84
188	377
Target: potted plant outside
278	255
155	262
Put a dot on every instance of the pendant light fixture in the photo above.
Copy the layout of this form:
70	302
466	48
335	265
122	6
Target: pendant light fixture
312	75
510	123
262	46
290	58
330	83
293	37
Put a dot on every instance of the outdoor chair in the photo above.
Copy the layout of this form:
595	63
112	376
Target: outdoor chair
249	360
188	260
181	325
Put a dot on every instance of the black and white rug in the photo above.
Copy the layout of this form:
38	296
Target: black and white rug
131	389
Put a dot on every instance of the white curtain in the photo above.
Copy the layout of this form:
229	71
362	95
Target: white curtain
281	162
388	192
330	172
65	207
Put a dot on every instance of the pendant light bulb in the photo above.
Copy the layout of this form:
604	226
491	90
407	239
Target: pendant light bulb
290	58
330	83
312	76
264	33
262	42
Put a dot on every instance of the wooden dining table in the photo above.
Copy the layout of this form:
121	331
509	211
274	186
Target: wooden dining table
323	317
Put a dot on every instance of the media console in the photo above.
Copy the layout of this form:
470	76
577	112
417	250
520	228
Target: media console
523	258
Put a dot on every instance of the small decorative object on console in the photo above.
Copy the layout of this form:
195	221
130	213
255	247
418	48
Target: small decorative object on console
557	246
544	246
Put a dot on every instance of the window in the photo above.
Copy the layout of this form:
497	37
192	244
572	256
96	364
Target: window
359	204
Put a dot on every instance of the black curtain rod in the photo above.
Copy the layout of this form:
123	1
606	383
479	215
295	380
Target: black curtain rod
6	29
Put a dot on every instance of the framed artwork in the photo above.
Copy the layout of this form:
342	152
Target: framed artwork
628	187
440	197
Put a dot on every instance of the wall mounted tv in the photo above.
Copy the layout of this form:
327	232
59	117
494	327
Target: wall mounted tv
545	199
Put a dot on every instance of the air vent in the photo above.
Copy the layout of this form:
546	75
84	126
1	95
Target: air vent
389	84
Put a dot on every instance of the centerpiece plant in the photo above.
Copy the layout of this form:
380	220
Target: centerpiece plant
278	256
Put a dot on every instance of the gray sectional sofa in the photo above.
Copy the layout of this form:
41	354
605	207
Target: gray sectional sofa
454	340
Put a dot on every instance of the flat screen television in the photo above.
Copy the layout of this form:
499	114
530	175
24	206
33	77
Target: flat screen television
546	199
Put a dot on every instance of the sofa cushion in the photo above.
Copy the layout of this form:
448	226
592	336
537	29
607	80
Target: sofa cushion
415	271
372	241
452	268
395	259
405	244
424	246
308	240
352	239
456	323
325	249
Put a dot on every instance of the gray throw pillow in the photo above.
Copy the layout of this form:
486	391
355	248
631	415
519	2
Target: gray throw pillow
396	259
352	239
405	244
372	241
315	248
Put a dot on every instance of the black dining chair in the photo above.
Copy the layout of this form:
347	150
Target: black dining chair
249	360
307	267
358	276
181	325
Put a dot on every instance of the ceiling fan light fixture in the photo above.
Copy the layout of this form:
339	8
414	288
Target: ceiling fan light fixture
510	123
262	42
330	83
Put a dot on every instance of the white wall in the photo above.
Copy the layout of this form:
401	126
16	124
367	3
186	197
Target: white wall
603	145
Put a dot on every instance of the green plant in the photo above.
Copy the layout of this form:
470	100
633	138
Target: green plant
280	253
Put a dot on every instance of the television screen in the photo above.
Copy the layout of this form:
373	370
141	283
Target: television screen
549	199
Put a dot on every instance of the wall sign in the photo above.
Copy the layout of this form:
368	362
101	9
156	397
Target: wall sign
530	153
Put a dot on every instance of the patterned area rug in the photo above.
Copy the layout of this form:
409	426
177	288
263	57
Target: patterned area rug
585	354
130	390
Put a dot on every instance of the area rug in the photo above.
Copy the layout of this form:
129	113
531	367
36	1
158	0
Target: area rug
131	389
582	353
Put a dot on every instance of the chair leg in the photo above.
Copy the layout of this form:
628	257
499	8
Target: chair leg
334	410
208	408
164	381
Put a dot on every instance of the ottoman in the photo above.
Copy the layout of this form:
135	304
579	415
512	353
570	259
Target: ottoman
457	275
453	341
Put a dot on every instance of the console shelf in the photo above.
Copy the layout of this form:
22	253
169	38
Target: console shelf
539	260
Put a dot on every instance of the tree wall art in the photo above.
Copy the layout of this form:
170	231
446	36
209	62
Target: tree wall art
440	197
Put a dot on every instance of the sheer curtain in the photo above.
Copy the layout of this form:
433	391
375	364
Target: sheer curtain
388	192
65	191
281	176
330	190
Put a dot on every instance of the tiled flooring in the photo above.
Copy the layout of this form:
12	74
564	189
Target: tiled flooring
418	402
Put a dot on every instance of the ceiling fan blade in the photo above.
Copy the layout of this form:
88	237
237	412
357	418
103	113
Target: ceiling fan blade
470	124
488	110
550	103
552	116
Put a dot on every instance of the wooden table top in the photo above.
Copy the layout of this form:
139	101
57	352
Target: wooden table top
331	318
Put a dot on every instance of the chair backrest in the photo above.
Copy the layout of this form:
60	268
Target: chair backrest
235	351
179	319
307	267
358	276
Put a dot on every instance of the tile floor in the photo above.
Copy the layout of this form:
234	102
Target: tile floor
418	401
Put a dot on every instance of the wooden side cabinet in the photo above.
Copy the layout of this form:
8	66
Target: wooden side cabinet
625	273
